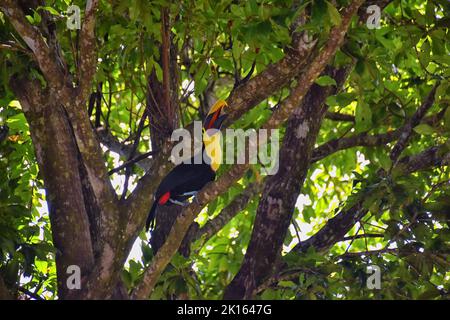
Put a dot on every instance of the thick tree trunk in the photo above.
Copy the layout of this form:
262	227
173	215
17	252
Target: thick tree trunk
56	152
5	293
276	206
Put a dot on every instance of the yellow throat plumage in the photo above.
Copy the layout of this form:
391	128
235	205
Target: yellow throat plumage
213	148
213	140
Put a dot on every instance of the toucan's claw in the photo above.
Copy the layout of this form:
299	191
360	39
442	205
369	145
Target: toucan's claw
191	193
196	200
183	204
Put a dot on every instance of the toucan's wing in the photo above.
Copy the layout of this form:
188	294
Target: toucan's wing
186	177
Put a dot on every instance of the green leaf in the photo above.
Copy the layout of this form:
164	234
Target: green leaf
147	253
37	17
442	90
429	11
345	98
324	81
425	55
334	15
158	70
429	294
225	64
49	9
424	129
363	116
287	284
30	19
319	10
447	119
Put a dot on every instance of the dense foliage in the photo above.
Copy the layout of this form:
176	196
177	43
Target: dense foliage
217	43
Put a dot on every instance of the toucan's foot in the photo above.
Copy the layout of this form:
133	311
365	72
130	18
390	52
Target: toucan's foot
195	199
194	194
190	194
183	204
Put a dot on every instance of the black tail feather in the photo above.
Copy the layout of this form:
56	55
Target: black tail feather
150	223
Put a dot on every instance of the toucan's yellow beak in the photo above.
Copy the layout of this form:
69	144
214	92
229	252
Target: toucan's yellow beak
218	106
215	116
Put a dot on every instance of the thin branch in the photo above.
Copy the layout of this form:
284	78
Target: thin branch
13	46
165	58
366	140
336	116
34	39
30	294
369	252
250	72
432	157
362	236
409	126
133	151
363	139
353	238
285	275
229	212
88	49
130	162
335	228
435	187
122	149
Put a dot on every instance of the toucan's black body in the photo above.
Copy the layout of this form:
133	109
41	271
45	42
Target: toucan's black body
188	177
185	178
180	184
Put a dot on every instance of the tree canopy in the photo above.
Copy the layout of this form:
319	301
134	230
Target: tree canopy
363	184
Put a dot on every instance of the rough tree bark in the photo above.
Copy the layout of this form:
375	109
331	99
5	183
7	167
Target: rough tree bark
56	151
81	199
276	206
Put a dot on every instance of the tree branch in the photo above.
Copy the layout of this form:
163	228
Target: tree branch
88	51
337	227
363	139
229	212
366	140
5	294
30	294
336	116
45	58
362	236
412	122
165	57
133	161
124	150
432	157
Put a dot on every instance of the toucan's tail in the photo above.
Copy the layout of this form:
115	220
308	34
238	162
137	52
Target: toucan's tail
150	223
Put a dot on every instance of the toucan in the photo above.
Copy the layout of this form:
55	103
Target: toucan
187	178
